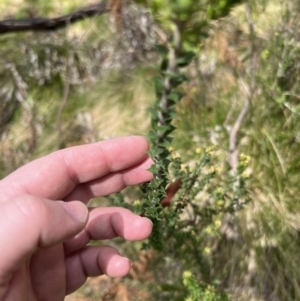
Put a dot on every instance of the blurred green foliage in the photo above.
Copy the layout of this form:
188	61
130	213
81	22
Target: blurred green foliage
191	17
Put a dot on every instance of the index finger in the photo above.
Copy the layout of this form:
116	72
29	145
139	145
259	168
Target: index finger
56	175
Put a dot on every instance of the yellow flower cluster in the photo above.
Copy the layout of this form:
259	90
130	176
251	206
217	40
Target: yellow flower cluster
210	150
187	274
207	251
137	203
175	155
208	230
220	190
198	151
245	174
218	223
215	169
185	167
265	54
220	203
244	160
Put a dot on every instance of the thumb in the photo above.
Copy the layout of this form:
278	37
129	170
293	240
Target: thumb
29	222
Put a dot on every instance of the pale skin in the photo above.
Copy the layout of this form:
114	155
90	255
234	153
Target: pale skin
45	225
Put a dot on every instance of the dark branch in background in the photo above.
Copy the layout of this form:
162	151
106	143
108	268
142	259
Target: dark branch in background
44	24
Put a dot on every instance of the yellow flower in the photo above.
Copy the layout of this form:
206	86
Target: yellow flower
198	150
208	230
210	150
218	223
220	190
207	251
185	167
245	174
187	274
220	203
174	155
137	203
244	160
265	54
214	169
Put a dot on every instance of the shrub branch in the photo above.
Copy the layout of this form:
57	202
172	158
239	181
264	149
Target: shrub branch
46	24
249	91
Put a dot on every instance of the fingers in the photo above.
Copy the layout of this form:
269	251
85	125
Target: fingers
112	182
55	176
94	261
108	223
28	223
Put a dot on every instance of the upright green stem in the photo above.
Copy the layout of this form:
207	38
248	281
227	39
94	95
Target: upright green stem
160	136
165	103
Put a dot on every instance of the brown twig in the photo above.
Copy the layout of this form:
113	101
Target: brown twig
233	141
45	24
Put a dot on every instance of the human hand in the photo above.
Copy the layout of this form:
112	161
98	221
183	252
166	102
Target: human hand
45	225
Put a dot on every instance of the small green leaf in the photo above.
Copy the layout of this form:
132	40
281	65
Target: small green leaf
175	96
164	65
178	80
162	50
158	85
185	59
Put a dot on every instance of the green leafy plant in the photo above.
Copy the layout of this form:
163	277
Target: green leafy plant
201	292
162	115
176	17
174	232
190	225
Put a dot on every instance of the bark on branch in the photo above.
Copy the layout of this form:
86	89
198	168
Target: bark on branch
249	91
45	24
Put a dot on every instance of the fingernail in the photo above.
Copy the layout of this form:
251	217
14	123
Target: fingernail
149	220
77	210
129	261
